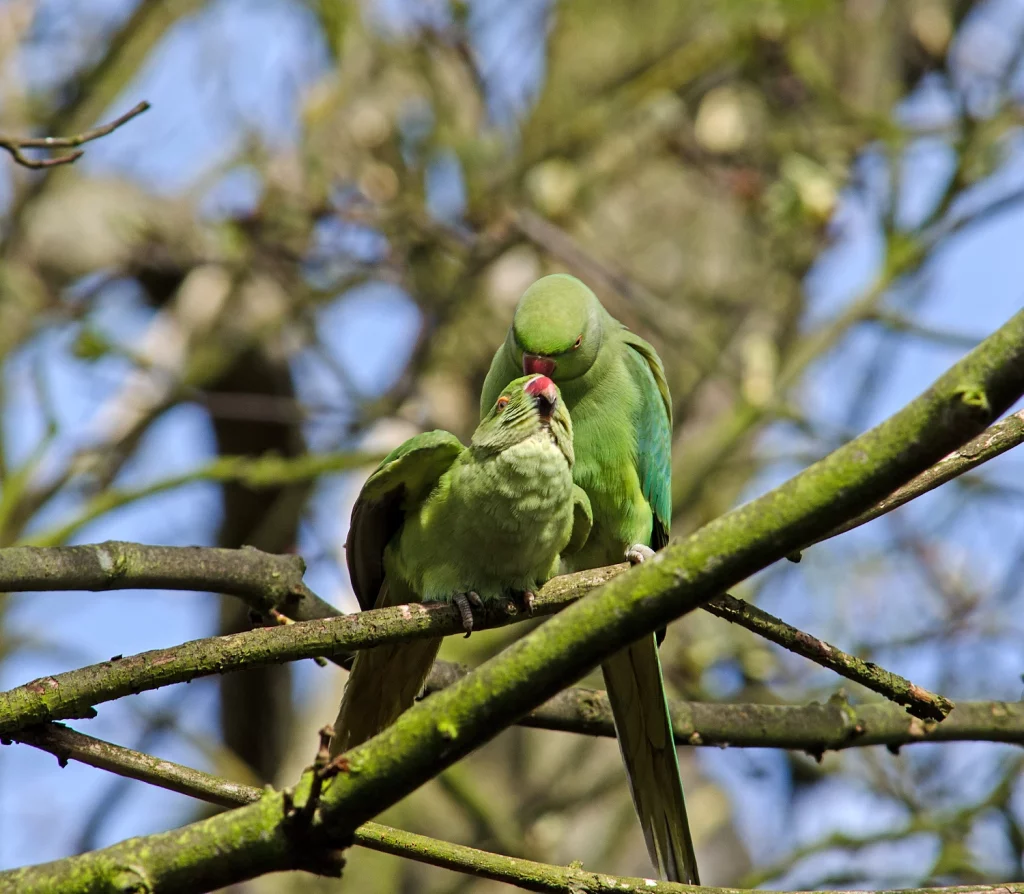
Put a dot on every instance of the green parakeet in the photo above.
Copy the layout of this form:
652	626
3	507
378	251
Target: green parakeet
440	522
614	385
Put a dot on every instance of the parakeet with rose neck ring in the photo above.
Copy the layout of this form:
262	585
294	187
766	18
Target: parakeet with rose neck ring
614	385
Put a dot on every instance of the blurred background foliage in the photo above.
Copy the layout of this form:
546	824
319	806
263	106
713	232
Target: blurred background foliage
313	243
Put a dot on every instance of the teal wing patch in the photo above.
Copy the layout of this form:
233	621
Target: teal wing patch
402	480
654	437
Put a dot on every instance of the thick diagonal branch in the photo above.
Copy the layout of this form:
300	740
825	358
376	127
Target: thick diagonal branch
67	744
994	441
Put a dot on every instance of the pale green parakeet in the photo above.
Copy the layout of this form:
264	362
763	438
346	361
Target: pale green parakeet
440	522
614	385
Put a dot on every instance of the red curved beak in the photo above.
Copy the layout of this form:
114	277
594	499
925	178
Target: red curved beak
544	394
535	363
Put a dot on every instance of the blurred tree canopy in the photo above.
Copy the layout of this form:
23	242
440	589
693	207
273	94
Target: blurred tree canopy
313	243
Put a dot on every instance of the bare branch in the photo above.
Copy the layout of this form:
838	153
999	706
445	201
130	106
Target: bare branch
919	702
814	728
17	145
67	744
992	442
265	581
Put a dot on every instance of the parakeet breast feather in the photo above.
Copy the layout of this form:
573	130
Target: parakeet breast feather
495	523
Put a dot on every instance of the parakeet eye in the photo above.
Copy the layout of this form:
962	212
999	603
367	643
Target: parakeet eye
502	403
578	342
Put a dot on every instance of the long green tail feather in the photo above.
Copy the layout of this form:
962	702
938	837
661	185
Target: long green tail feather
384	681
636	691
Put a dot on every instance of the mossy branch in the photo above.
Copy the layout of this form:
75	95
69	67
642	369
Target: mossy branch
286	830
75	693
814	728
67	744
994	441
919	701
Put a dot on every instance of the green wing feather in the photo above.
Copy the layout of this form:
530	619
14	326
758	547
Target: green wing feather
633	677
384	681
654	436
404	477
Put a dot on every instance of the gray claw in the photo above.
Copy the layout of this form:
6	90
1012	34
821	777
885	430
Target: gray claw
465	602
638	553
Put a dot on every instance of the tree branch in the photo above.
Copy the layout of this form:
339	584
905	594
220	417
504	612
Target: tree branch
814	728
16	145
918	701
264	580
288	830
67	744
992	442
74	694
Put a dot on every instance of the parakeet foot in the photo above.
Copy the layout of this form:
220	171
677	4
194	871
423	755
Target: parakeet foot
638	553
465	603
526	599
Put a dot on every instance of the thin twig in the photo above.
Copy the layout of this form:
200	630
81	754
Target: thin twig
16	145
992	442
67	744
919	702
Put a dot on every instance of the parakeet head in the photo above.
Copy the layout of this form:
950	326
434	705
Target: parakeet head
557	328
528	406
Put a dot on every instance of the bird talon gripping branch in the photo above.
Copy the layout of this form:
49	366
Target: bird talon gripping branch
638	553
465	603
526	600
